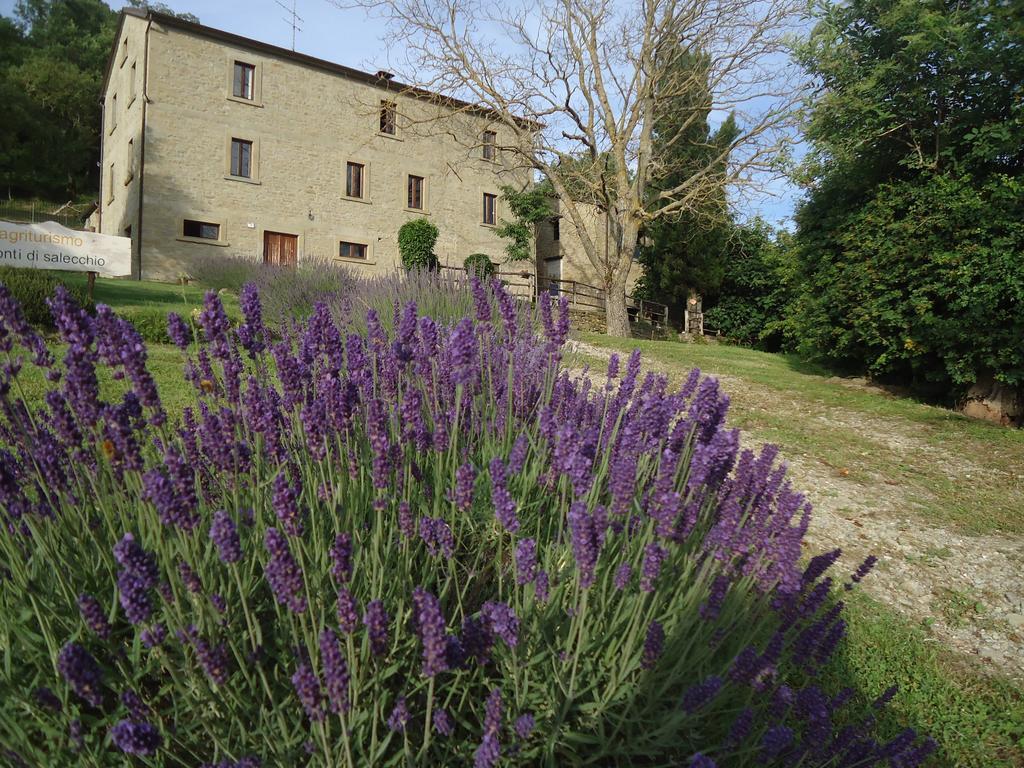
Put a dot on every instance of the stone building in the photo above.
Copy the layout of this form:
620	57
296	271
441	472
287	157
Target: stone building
215	145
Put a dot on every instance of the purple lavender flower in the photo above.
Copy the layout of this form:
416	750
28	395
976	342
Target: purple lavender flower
653	645
94	616
76	735
286	504
137	576
219	603
526	561
376	621
711	607
399	717
463	353
702	761
443	723
437	536
189	578
819	564
214	659
524	726
348	611
224	535
517	457
489	751
776	740
540	587
153	636
77	666
137	708
654	556
862	571
307	688
431	629
465	477
136	737
283	573
502	622
406	521
178	330
47	699
252	333
341	558
336	675
622	576
504	507
584	542
700	695
740	729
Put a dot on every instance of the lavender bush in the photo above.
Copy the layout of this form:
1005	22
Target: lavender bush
425	546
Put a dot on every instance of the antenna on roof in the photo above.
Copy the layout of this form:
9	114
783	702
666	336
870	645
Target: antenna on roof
292	19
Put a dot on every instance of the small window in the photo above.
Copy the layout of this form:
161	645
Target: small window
131	83
415	196
110	183
387	117
241	158
489	139
245	76
352	250
555	229
490	204
203	230
131	161
124	51
113	112
354	173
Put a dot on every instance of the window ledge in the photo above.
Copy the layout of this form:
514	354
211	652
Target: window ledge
128	179
130	102
363	200
392	136
248	102
202	241
485	225
345	260
418	211
242	179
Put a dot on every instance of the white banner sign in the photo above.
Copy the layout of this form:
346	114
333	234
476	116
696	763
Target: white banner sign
48	245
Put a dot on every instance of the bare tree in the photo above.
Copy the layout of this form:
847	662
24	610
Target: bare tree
577	85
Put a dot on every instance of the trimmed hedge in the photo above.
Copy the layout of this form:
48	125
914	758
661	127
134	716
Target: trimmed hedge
416	241
32	287
480	264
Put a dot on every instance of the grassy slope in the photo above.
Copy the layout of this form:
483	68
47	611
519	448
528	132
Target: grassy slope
977	720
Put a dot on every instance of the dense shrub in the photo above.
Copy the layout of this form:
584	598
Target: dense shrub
924	283
756	293
479	265
416	240
32	287
287	291
431	546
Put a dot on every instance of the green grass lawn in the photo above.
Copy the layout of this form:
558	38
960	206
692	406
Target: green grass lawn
128	295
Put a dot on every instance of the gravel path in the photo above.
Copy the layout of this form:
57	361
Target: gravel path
969	590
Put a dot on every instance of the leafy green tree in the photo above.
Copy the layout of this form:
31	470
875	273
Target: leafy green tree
685	250
909	241
416	240
528	207
54	56
756	290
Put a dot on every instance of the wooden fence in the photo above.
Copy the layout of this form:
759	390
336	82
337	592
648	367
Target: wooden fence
582	297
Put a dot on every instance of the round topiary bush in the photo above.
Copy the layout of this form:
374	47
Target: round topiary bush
428	547
416	240
480	265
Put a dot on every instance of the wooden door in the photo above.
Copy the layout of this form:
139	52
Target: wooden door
280	249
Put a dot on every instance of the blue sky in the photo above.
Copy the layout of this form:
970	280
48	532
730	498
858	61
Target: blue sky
351	37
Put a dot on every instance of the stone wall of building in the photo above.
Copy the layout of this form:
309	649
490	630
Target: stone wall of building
306	123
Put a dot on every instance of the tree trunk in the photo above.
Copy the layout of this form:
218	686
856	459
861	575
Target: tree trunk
616	316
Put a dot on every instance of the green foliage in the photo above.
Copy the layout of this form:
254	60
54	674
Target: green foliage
756	290
528	208
686	250
910	239
163	8
924	282
52	58
416	241
32	287
480	265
